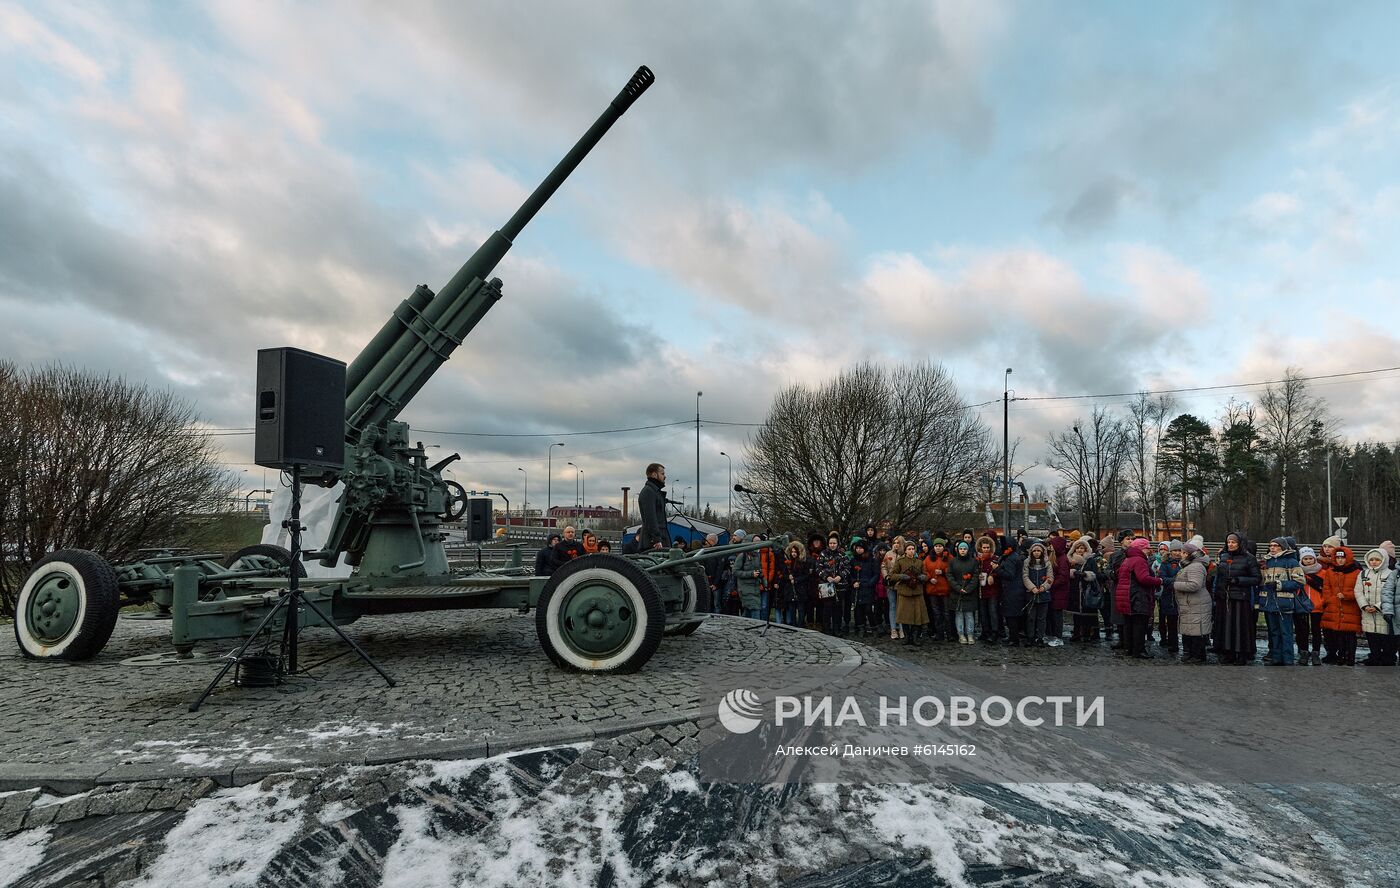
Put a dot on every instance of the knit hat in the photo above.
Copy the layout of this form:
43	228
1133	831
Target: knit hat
1334	541
1376	551
1174	546
1142	544
1388	547
1281	542
1306	552
1198	541
738	534
1190	547
939	541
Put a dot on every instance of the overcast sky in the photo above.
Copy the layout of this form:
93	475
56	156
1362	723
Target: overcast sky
1105	197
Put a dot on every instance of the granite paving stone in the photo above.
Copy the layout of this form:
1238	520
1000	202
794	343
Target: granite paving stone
468	680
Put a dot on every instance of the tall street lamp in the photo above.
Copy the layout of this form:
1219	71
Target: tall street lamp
1006	455
729	518
549	480
525	509
246	506
577	472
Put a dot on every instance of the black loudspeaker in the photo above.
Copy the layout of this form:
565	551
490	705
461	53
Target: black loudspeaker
479	519
301	410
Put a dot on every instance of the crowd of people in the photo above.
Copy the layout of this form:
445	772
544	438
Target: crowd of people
991	589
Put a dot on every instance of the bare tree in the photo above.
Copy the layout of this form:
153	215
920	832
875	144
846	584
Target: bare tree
1091	456
94	462
871	443
1289	412
1143	437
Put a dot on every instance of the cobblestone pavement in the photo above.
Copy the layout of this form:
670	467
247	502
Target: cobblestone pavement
468	682
633	807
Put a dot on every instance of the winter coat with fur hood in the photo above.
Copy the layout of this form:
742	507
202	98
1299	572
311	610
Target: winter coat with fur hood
1371	588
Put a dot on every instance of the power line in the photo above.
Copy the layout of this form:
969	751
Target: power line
218	432
1202	388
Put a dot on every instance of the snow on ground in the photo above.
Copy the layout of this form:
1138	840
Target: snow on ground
22	852
555	839
659	825
226	839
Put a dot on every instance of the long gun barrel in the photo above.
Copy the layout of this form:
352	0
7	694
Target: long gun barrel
425	329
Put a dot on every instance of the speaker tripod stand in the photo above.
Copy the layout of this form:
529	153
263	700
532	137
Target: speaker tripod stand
289	604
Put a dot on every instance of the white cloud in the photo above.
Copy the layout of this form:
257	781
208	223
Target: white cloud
21	29
1267	211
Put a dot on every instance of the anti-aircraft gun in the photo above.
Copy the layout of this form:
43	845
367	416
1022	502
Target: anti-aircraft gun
599	613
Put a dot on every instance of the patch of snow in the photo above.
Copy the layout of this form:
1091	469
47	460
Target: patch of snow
945	827
21	852
334	812
656	764
681	781
555	839
226	839
45	800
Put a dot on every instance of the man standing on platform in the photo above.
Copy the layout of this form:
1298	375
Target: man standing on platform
651	503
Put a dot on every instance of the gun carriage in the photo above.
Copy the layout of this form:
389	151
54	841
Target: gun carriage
598	613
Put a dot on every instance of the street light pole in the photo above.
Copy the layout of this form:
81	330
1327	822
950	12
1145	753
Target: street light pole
583	497
697	448
577	470
1006	455
549	480
525	509
729	517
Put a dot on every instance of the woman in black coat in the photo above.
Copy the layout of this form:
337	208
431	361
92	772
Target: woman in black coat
1236	581
1014	596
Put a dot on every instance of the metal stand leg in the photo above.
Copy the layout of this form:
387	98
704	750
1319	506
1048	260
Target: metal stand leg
242	650
290	601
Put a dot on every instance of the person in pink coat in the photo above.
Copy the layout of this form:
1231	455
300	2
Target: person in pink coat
1135	595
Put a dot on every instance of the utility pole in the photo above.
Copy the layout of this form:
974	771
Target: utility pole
525	509
1330	522
697	450
1006	455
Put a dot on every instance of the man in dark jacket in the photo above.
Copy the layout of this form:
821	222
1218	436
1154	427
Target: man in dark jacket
651	504
544	558
567	549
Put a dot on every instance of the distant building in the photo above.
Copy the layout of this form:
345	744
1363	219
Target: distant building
583	517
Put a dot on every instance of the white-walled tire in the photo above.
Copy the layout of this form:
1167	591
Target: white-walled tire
600	613
67	607
684	624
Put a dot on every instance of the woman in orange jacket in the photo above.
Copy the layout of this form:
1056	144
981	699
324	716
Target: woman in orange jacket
936	569
1341	615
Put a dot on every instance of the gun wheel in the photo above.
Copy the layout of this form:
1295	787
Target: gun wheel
263	556
600	613
690	583
67	607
